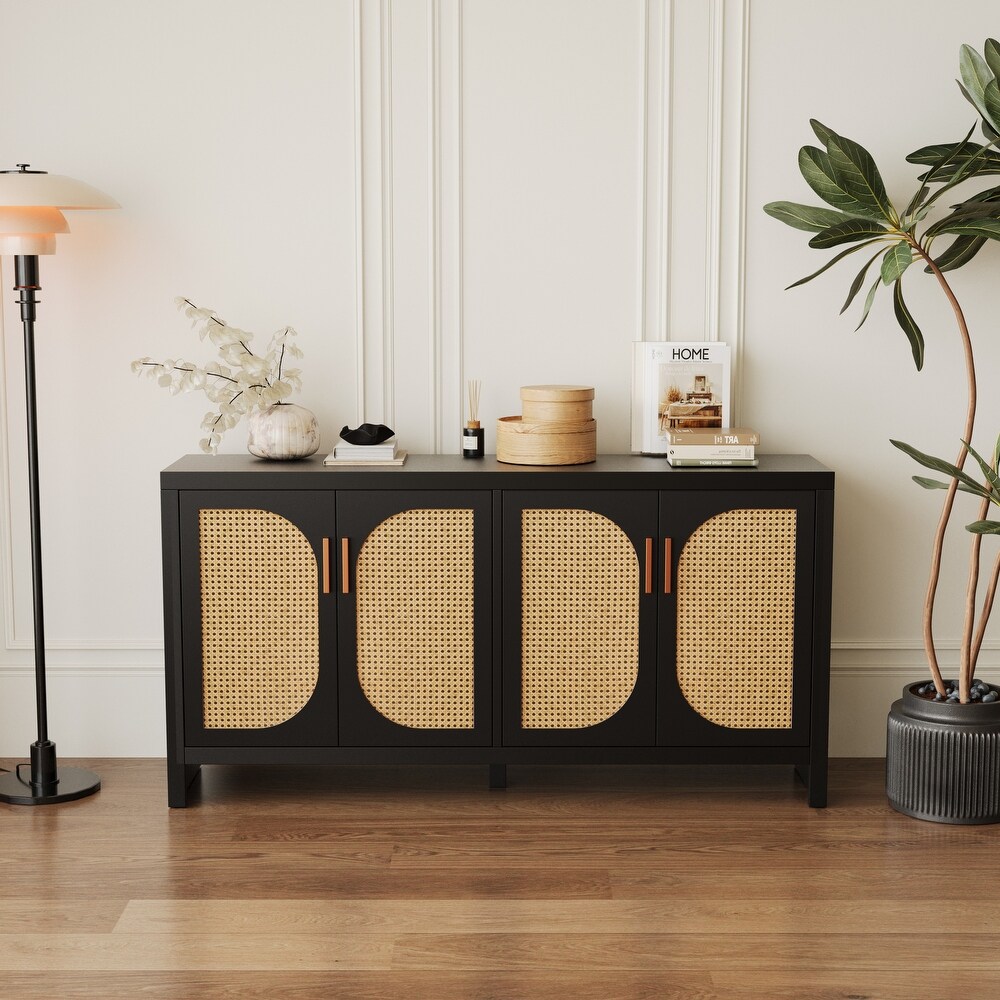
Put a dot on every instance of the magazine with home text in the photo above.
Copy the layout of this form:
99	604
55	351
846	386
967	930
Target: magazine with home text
675	385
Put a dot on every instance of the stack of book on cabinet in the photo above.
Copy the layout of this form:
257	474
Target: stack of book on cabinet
386	453
706	446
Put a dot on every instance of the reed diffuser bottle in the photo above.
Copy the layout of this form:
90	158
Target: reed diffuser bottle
473	435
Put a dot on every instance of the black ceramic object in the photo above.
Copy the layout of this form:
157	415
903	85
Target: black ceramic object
367	434
942	761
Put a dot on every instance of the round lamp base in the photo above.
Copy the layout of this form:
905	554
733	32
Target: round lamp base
73	783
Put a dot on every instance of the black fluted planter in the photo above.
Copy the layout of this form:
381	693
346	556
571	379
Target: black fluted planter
942	762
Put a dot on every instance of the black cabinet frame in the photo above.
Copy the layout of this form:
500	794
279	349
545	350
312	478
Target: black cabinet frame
241	480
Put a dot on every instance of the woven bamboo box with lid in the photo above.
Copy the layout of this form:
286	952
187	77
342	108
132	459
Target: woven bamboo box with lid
557	427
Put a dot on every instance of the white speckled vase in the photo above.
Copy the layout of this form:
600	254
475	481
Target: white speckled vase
282	431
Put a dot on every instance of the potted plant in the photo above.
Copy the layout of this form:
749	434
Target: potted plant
244	384
943	746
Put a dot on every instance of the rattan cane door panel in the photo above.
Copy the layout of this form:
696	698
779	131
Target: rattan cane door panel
415	618
734	653
255	630
577	661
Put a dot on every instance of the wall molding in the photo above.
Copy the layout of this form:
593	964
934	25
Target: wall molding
654	176
388	250
714	214
359	219
731	290
435	332
57	671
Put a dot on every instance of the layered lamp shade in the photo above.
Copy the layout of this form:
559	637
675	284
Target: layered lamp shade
31	207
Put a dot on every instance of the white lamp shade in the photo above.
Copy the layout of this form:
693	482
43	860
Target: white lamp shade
24	189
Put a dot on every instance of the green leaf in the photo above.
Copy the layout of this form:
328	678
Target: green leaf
976	208
988	473
936	484
869	299
930	484
945	153
839	257
991	50
939	152
976	73
947	158
987	195
805	217
990	228
896	260
974	100
846	232
991	100
940	465
855	170
960	252
908	325
823	133
819	174
984	527
859	280
982	206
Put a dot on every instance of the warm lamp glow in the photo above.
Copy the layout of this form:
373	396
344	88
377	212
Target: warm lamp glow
30	203
30	230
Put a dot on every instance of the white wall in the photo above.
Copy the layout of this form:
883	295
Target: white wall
432	190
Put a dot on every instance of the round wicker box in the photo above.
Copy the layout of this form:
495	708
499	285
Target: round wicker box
557	402
547	442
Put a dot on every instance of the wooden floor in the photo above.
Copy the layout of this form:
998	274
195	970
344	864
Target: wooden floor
573	883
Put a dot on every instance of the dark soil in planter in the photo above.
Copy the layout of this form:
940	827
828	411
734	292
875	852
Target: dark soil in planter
980	691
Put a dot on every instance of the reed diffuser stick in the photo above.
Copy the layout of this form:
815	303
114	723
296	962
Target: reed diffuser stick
475	385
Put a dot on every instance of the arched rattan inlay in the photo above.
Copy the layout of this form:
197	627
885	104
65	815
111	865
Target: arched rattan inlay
259	619
415	586
736	617
579	618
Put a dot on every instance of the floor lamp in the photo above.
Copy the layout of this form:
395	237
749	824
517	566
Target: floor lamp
30	216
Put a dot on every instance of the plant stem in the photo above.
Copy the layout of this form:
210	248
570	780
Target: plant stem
965	678
968	664
178	368
281	358
991	593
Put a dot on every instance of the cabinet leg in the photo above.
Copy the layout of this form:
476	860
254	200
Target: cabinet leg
179	779
813	776
498	775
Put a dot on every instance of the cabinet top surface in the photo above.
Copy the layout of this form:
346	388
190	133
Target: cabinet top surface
454	472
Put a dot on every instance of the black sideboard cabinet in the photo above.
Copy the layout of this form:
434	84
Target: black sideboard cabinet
453	611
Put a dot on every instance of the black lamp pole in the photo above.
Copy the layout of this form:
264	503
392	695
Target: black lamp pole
47	782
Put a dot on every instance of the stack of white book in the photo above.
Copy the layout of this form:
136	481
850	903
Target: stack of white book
696	447
386	453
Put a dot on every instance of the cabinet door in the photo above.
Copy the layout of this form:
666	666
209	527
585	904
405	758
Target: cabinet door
579	609
735	638
259	640
415	618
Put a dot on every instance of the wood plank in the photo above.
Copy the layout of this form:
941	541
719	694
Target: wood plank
927	984
182	952
745	955
27	915
544	917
